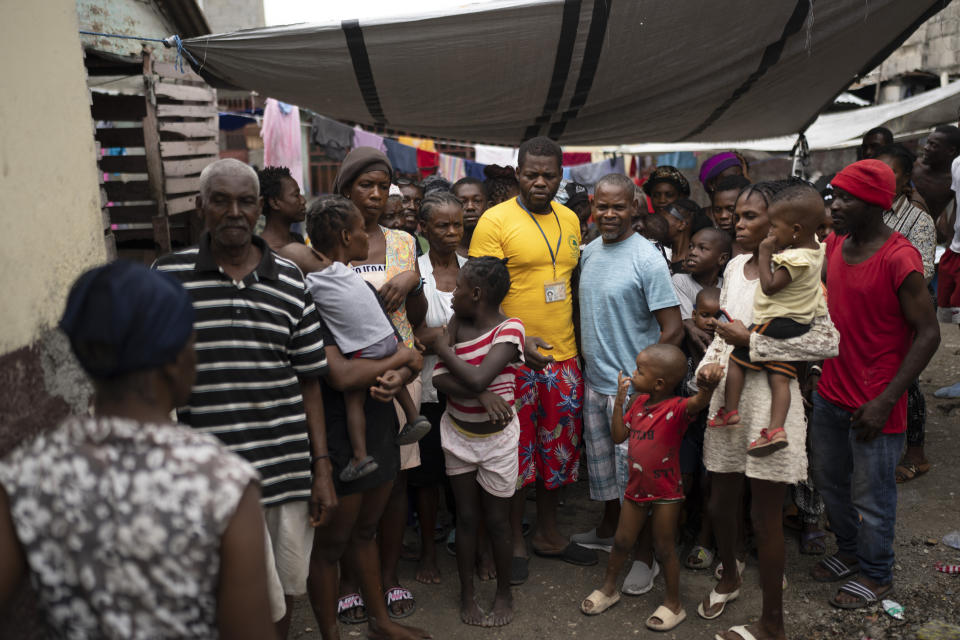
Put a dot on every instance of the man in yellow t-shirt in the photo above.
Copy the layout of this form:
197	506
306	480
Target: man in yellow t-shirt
541	241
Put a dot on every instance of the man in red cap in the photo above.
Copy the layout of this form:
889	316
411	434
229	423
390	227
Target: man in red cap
888	332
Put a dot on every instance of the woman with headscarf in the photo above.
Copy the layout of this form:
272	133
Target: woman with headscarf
721	165
391	268
665	186
131	526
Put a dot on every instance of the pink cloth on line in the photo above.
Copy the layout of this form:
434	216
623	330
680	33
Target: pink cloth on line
281	138
363	138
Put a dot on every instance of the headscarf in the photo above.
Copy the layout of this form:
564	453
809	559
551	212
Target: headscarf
360	160
571	194
869	180
122	317
666	173
716	164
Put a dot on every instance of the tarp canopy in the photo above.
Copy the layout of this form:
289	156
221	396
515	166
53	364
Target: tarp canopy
581	71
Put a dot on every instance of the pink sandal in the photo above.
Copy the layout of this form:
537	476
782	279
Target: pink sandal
770	441
724	418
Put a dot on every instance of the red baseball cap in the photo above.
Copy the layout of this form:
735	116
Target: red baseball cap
869	180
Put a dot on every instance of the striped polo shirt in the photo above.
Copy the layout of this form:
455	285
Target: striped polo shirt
254	339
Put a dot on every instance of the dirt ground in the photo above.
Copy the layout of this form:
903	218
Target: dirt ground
547	605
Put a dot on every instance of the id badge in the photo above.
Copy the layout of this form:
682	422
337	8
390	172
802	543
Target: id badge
555	291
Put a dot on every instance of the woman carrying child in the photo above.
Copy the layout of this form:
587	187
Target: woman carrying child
479	353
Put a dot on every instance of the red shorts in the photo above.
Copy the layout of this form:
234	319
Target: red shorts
549	404
948	287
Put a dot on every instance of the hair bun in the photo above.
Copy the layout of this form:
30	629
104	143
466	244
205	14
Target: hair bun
496	171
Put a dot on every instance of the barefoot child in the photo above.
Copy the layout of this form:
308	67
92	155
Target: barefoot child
350	308
789	298
655	423
480	431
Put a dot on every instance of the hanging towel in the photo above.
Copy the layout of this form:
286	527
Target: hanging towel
474	170
678	159
488	154
574	158
363	138
424	144
402	157
281	138
588	174
427	162
452	168
334	137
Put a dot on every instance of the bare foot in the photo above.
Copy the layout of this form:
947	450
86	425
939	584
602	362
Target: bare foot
758	632
393	631
549	545
427	572
502	612
486	569
471	613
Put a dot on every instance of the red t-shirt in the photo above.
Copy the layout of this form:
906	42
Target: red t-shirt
654	448
874	335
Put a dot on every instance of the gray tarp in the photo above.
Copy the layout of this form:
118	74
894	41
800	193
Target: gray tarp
582	71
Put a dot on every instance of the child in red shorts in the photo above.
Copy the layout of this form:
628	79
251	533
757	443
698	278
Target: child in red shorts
655	423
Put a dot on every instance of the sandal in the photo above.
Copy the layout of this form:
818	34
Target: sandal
813	543
740	630
347	604
724	418
715	598
865	596
399	594
358	469
668	619
699	558
413	431
907	471
596	603
837	568
770	441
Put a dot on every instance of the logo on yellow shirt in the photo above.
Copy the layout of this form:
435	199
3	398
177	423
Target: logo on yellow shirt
574	245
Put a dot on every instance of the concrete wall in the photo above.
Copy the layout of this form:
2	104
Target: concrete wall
137	18
933	47
230	15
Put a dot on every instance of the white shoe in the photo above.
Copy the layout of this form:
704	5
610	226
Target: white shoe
591	540
640	579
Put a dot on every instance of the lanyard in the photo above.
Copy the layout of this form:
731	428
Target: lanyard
553	254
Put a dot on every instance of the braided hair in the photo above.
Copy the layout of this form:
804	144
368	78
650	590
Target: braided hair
499	183
436	200
271	184
327	218
490	274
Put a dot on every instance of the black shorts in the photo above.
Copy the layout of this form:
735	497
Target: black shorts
779	328
431	471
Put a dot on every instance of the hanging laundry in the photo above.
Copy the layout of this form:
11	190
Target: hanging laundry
401	156
281	138
488	154
427	162
424	144
588	174
678	159
363	138
452	168
334	137
574	158
475	170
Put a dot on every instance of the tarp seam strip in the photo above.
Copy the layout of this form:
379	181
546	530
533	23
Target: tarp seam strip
771	55
561	66
362	70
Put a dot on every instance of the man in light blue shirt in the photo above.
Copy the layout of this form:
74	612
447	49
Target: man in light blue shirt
627	303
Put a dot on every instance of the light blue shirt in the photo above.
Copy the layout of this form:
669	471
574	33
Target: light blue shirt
621	285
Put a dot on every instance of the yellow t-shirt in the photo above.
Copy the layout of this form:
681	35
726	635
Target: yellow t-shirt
802	300
508	231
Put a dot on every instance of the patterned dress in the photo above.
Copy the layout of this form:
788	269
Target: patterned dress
121	522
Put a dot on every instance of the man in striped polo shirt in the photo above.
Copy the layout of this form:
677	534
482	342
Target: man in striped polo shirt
259	357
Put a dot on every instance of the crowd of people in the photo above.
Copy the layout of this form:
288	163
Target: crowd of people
463	344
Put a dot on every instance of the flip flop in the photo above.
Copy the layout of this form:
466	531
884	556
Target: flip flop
668	619
572	553
740	630
865	596
349	603
713	599
813	543
701	557
356	470
640	578
907	471
399	594
413	431
598	602
519	570
837	568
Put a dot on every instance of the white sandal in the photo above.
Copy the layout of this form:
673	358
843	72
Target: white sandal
740	630
599	602
668	619
715	598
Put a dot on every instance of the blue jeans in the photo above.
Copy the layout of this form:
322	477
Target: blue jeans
856	478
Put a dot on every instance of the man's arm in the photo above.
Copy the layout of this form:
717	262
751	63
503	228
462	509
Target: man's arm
671	326
323	498
915	306
945	222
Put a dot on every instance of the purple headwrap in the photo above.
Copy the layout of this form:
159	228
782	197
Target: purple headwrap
714	165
